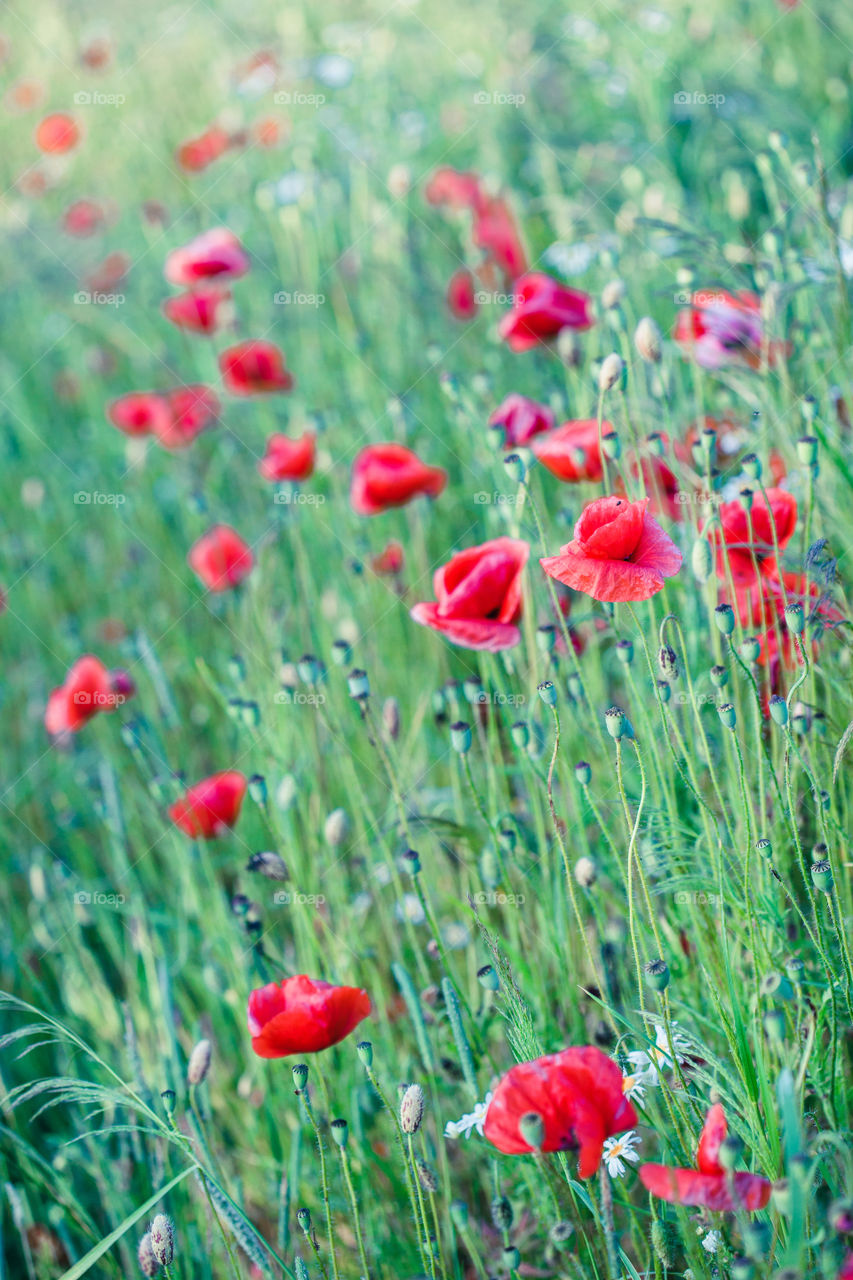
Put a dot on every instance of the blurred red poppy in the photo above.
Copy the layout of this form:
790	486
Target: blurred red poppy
390	475
461	298
57	133
521	419
254	368
748	535
708	1186
221	558
618	552
197	153
454	188
109	273
570	451
87	689
82	218
578	1093
197	311
215	254
760	606
191	410
209	808
541	308
478	596
495	231
719	327
303	1015
140	412
390	560
287	459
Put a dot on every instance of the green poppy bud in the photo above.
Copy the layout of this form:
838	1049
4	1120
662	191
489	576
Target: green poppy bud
460	737
719	677
583	773
625	651
531	1126
656	973
702	560
727	715
548	693
779	710
724	616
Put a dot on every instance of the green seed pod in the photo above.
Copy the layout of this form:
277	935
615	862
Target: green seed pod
258	789
473	691
531	1126
511	1257
341	653
779	710
780	1194
614	720
309	669
756	1239
364	1049
515	467
546	638
795	618
460	737
776	986
520	734
547	692
702	560
719	677
611	446
724	617
411	862
822	875
299	1071
583	773
575	686
459	1214
303	1217
745	498
774	1026
656	973
807	451
742	1269
727	715
561	1235
801	718
625	652
502	1215
731	1151
488	978
664	690
168	1096
358	684
752	466
268	864
750	650
794	968
340	1132
765	848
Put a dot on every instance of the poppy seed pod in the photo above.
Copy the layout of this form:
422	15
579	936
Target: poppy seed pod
531	1126
258	789
719	677
412	1109
583	773
765	848
547	692
625	651
546	638
561	1235
148	1264
727	714
822	875
668	663
488	978
269	864
502	1215
664	690
611	445
656	973
340	1132
358	684
774	1026
341	653
614	720
794	968
807	451
303	1217
472	688
412	862
520	734
779	710
795	619
199	1063
647	340
162	1240
364	1049
752	466
515	467
745	497
460	737
724	617
168	1096
299	1071
750	650
511	1257
776	985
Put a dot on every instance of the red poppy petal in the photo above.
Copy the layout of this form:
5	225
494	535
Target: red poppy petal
468	633
714	1131
656	550
610	580
610	528
705	1190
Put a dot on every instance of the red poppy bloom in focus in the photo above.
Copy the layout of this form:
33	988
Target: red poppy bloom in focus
521	419
708	1185
210	807
390	560
87	689
215	254
198	310
287	459
221	558
571	452
390	475
303	1015
748	535
82	218
254	368
57	134
461	298
618	552
579	1095
139	413
478	596
198	153
542	307
191	410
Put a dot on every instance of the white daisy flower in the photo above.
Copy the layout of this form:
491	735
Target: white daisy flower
618	1150
649	1063
712	1241
473	1120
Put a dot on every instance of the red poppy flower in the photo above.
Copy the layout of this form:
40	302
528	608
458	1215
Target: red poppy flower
541	308
719	327
571	452
254	368
760	606
221	558
210	807
198	310
461	298
454	188
495	231
618	552
390	475
478	596
82	218
579	1095
214	255
708	1185
287	459
87	689
303	1015
109	273
191	410
521	419
661	484
57	134
139	413
748	535
390	560
198	153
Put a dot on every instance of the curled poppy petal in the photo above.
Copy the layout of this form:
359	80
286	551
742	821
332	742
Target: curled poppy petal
287	459
541	308
303	1015
478	596
213	255
706	1190
713	1133
254	368
571	452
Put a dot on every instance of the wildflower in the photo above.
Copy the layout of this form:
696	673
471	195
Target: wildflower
87	689
191	410
521	419
390	475
303	1015
709	1185
650	1063
209	808
254	368
57	134
748	536
478	596
461	298
476	1119
221	558
619	552
720	327
571	451
198	153
287	459
214	255
617	1150
541	308
712	1241
82	218
198	310
412	1109
139	413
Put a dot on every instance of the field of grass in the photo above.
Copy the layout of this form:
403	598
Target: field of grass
618	825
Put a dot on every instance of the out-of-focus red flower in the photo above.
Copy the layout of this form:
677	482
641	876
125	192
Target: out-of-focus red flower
139	413
303	1015
570	452
495	230
198	310
719	327
452	187
579	1095
57	133
24	95
214	255
390	475
287	459
661	484
747	536
708	1185
254	368
96	53
760	605
618	552
82	218
541	308
461	298
87	689
846	1272
521	419
191	410
269	131
478	596
221	558
209	808
198	153
390	560
109	273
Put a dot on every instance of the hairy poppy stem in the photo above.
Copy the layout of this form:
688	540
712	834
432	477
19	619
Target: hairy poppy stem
608	1225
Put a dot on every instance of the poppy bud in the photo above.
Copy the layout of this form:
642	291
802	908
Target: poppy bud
309	669
258	789
583	773
460	737
822	875
756	1239
237	668
502	1215
459	1214
531	1126
340	1132
515	467
752	466
162	1240
708	442
794	968
520	734
731	1150
364	1049
774	1026
664	690
391	718
300	1075
625	651
426	1177
199	1063
412	862
336	827
488	978
560	1235
780	1194
610	371
250	714
719	677
148	1264
807	451
586	872
612	294
727	715
511	1257
701	560
472	688
546	638
268	864
724	616
750	649
795	618
779	710
657	974
358	684
647	340
548	693
303	1217
412	1109
341	653
168	1096
668	663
